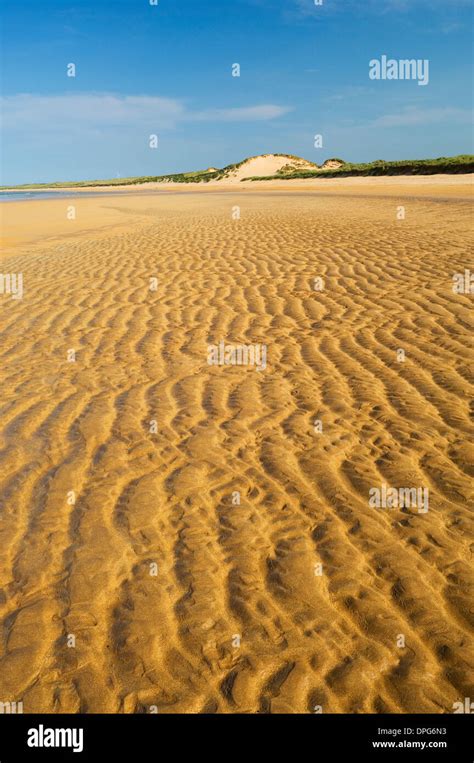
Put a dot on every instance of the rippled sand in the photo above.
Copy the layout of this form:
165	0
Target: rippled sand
237	617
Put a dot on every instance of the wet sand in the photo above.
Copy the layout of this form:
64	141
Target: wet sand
183	537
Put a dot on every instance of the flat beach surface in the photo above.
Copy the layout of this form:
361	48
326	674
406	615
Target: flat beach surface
226	558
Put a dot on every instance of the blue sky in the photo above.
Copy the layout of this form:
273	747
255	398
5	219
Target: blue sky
166	70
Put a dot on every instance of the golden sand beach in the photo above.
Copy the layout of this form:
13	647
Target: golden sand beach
185	537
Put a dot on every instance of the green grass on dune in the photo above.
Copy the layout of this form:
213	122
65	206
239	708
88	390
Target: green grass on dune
454	165
451	165
182	177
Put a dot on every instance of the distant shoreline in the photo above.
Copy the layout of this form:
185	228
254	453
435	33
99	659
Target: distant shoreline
270	167
459	183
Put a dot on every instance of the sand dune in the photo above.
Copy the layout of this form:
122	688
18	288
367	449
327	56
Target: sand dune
237	617
266	164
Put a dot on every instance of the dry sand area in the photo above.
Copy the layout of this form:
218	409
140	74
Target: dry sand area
237	617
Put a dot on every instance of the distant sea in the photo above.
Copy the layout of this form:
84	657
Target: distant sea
34	195
66	194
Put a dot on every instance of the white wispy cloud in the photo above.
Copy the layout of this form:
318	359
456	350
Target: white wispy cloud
87	109
308	6
442	16
243	114
83	111
413	116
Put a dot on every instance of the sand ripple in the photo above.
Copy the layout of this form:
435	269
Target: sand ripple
230	573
